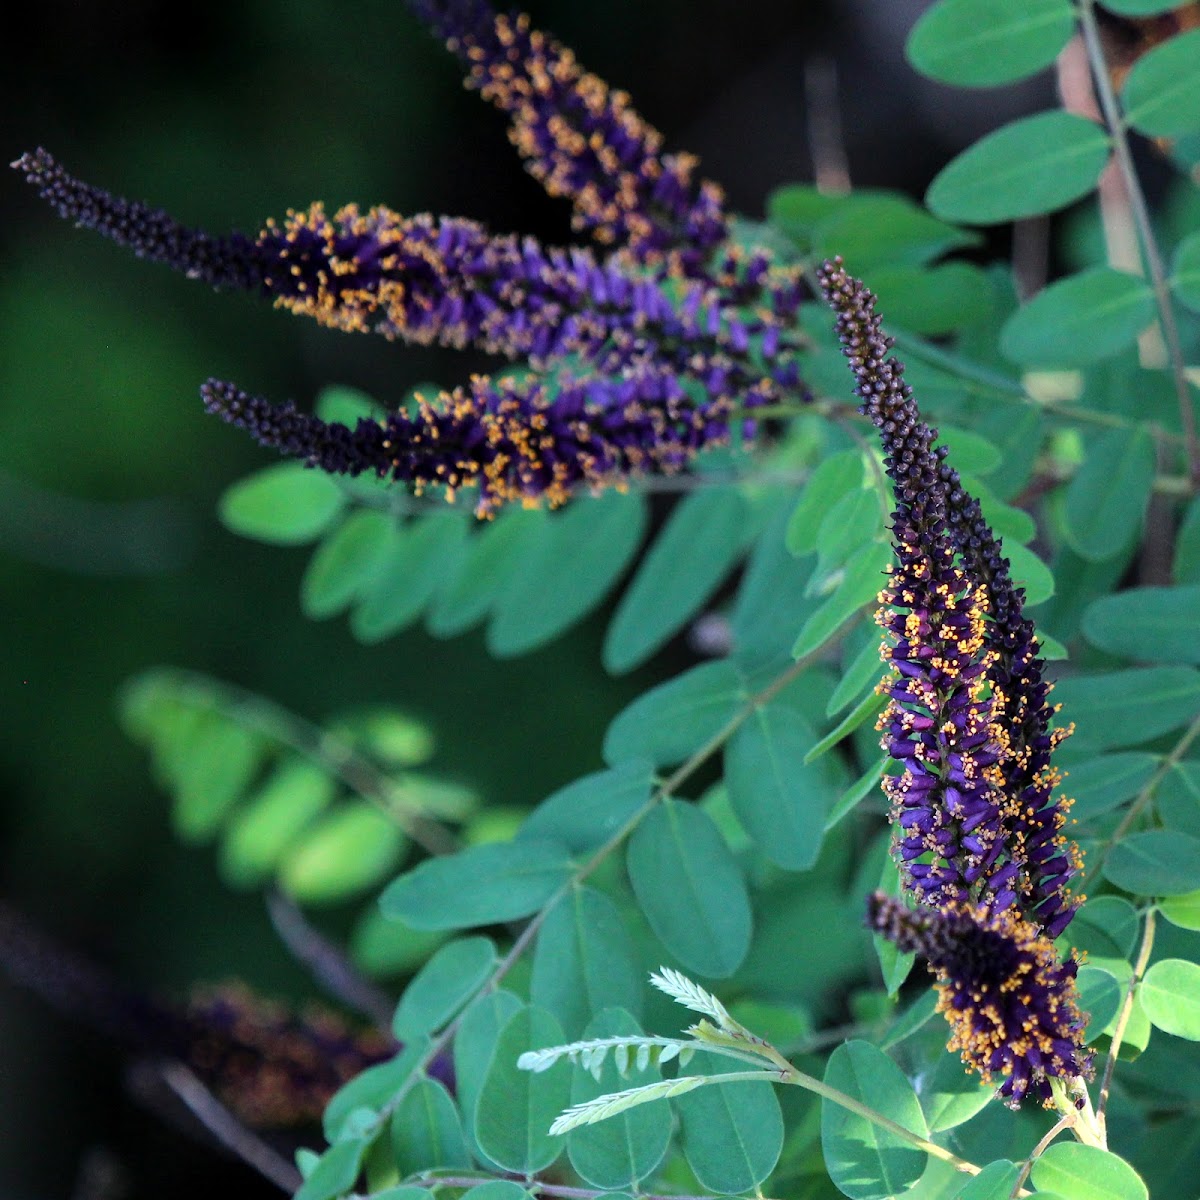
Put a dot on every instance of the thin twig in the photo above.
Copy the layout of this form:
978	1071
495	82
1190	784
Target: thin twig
227	1129
1036	1153
1139	969
1141	215
326	962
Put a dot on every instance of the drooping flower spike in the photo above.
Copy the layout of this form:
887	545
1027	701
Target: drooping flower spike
967	717
515	440
1012	1004
582	139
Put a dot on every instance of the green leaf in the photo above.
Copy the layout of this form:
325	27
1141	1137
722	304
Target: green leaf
383	948
350	850
1122	708
894	965
516	1108
502	881
863	1160
866	708
1105	927
833	478
443	985
1086	1173
695	550
1028	571
1032	166
495	555
1140	8
1185	272
287	504
427	1134
344	563
970	452
950	1094
1102	782
584	962
621	1151
933	300
1183	911
671	721
335	1171
410	570
1079	320
856	793
732	1132
1151	624
1155	863
1106	500
345	405
211	773
691	889
982	43
568	573
264	827
863	578
863	671
797	208
780	801
1161	95
371	1089
1100	996
1178	796
870	228
1170	996
1186	567
496	1189
994	1182
586	813
475	1044
852	521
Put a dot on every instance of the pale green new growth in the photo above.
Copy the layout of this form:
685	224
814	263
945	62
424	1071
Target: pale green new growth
691	995
603	1107
590	1054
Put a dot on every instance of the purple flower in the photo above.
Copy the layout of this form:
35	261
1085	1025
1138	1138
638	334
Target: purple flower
975	805
516	439
583	140
1011	1002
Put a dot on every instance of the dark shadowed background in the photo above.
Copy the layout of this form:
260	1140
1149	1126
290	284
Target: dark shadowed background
111	559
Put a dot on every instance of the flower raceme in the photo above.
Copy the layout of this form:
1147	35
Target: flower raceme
967	719
1011	1003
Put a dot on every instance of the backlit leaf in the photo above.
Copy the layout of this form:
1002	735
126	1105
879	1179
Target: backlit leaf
287	504
350	850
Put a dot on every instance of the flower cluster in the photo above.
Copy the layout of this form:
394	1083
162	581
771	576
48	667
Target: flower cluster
979	830
1011	1002
642	358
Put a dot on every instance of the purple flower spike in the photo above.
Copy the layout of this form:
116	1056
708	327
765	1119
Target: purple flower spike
513	440
583	140
965	657
1011	1003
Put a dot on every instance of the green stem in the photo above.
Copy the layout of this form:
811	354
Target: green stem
1139	969
1141	215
